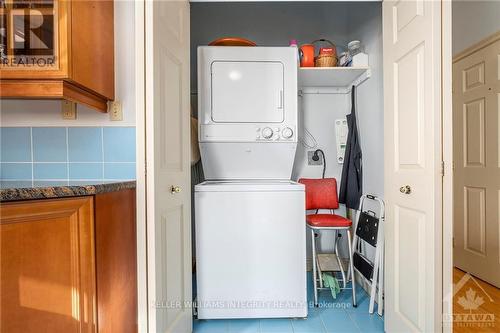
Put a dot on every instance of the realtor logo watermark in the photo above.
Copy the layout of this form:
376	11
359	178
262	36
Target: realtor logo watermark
28	34
246	304
472	299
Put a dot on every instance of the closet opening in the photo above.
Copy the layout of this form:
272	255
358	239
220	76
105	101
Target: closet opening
319	137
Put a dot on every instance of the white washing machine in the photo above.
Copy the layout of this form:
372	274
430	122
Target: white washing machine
250	249
249	216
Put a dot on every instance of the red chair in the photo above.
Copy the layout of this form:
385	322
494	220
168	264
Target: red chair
322	194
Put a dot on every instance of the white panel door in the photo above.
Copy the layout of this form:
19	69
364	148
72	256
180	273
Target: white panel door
168	166
413	155
476	142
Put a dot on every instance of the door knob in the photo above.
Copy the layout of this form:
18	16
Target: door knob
405	189
175	189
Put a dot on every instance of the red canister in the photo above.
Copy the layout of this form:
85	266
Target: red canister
307	55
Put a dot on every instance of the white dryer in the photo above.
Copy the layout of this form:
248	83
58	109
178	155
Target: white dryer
247	111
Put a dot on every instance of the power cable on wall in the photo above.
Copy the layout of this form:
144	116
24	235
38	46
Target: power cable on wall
315	157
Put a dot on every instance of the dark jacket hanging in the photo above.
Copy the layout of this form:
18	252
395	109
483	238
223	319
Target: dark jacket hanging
351	186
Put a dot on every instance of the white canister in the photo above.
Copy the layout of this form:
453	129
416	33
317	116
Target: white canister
360	60
356	52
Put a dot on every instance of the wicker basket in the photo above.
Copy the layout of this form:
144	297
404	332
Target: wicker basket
326	60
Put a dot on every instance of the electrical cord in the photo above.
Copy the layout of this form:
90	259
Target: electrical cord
315	157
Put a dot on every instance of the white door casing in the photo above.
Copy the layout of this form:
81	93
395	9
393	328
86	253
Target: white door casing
413	157
168	165
476	121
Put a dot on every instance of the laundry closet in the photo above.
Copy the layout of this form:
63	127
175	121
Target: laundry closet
323	93
402	106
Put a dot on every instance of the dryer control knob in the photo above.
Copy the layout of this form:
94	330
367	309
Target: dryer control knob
287	132
267	132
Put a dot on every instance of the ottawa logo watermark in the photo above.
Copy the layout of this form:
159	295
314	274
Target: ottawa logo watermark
472	304
28	34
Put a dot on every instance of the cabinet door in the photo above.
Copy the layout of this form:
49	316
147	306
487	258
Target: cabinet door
33	43
47	276
116	266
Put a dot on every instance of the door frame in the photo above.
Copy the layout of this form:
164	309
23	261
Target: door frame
447	154
141	199
447	158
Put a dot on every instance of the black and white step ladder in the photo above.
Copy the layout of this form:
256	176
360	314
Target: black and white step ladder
370	233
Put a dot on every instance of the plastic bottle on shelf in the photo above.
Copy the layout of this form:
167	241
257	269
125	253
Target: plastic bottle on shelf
357	57
293	43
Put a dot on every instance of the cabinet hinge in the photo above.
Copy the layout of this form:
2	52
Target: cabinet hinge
442	168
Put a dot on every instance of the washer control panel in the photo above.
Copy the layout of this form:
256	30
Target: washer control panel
270	133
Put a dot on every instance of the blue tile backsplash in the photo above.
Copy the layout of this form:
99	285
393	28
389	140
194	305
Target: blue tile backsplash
16	171
47	171
40	154
49	144
117	144
85	144
18	148
86	170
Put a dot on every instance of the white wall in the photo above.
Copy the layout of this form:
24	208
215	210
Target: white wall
48	112
276	24
366	26
473	21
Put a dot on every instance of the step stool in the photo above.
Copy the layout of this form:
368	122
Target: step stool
370	230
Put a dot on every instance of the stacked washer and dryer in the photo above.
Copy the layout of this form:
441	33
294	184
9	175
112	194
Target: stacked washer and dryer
249	215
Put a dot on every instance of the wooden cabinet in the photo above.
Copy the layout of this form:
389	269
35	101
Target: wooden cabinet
116	261
48	266
58	49
69	265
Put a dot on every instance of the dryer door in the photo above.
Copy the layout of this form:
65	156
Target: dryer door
247	92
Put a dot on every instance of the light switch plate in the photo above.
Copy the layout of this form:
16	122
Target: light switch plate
115	111
68	110
310	161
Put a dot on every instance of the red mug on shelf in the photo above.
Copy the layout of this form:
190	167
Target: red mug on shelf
307	55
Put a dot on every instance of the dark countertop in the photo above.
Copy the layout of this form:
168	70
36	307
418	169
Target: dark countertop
15	191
